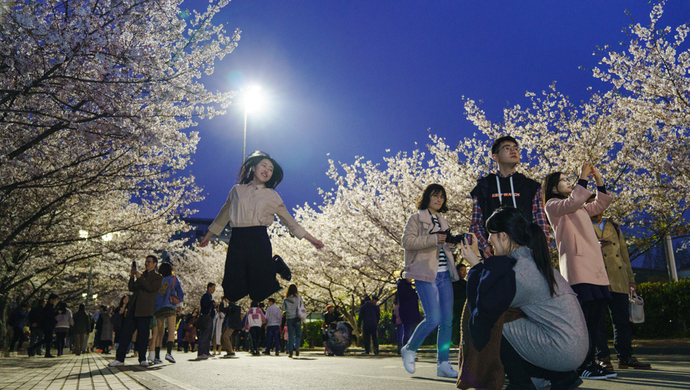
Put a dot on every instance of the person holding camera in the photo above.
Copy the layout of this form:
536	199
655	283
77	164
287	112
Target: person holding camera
429	261
580	260
139	312
544	334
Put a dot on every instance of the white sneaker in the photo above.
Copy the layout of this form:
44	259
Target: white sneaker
408	358
116	363
169	358
157	361
144	363
444	369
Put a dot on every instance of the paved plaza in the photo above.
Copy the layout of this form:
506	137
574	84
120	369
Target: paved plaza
312	370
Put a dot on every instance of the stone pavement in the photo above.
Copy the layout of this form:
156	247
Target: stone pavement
311	370
68	372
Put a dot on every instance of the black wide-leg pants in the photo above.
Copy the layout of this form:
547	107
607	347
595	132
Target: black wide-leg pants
249	266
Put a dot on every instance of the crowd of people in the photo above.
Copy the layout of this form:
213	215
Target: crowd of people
542	324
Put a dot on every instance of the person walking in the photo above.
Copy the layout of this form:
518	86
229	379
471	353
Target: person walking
231	322
255	318
47	324
408	310
273	317
580	260
370	314
117	318
218	328
429	261
169	296
622	283
34	321
140	310
16	321
82	325
190	331
291	306
205	322
251	206
105	326
64	322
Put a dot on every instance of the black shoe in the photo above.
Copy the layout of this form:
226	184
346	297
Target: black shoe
281	268
569	381
49	356
593	371
266	352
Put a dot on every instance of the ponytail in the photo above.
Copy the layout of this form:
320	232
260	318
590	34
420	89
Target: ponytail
540	253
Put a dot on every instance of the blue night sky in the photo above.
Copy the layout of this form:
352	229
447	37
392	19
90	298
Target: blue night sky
354	78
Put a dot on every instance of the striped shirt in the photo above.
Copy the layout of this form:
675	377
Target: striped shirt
442	257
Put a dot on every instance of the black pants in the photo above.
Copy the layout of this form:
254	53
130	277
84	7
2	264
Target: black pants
249	266
622	334
255	331
130	324
519	371
593	311
60	336
47	341
366	336
17	337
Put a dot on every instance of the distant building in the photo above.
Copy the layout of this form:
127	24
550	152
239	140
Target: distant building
199	229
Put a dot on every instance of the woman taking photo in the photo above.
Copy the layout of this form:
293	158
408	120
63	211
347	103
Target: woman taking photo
250	209
429	261
581	262
550	340
166	310
291	305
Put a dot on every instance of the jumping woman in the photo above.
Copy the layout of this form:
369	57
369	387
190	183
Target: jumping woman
249	210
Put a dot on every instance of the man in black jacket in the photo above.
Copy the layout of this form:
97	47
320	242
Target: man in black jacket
506	187
370	313
47	324
33	319
139	311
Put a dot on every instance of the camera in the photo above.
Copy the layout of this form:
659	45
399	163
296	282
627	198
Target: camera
456	239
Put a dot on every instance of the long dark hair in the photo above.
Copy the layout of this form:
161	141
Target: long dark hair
291	291
425	199
510	220
550	182
165	269
246	173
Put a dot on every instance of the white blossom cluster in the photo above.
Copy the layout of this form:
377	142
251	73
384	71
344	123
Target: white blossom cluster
94	98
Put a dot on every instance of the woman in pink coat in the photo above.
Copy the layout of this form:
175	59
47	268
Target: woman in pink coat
580	259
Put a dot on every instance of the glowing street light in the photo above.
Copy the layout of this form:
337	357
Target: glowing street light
253	101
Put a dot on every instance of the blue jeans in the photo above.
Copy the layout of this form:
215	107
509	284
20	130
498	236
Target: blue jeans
437	302
294	334
273	338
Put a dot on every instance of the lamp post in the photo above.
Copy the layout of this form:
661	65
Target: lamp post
252	101
85	235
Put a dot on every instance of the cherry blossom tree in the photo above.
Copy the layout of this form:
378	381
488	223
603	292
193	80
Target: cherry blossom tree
94	100
637	133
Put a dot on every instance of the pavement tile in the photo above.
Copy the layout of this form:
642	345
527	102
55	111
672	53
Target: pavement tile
68	372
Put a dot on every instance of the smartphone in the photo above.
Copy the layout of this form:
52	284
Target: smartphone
134	265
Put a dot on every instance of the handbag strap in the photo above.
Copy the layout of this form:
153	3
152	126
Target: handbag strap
172	287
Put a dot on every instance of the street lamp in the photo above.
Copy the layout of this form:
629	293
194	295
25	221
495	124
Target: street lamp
85	235
253	100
